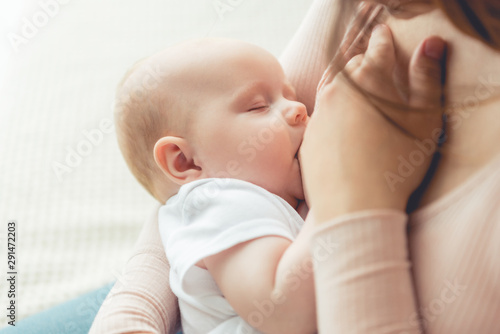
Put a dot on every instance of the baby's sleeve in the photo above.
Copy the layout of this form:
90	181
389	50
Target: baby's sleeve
218	214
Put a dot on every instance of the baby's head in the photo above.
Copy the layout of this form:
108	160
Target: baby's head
211	108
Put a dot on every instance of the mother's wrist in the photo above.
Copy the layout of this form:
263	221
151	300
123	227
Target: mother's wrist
326	208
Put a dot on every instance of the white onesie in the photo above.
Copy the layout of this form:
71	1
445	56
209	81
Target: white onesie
207	217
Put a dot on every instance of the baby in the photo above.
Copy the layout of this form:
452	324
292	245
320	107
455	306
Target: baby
212	128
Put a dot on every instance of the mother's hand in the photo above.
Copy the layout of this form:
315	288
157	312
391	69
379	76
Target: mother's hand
360	152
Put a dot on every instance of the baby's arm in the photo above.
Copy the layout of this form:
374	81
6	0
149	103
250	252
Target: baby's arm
269	282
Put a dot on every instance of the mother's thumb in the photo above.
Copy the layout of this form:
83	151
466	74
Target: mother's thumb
426	73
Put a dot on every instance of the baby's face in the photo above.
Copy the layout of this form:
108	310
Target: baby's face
249	125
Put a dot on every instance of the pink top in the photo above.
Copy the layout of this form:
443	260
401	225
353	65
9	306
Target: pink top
365	283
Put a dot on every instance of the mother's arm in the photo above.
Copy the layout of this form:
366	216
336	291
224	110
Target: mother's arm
304	59
141	300
351	149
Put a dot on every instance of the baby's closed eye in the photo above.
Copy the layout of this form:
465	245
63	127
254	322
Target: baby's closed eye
262	107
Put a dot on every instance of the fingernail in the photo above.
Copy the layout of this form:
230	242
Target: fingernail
434	48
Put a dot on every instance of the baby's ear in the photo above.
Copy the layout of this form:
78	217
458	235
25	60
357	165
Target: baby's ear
174	156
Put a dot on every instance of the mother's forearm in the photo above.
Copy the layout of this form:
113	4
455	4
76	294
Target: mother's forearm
363	280
141	301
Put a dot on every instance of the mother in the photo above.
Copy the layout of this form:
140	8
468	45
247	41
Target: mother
436	270
361	161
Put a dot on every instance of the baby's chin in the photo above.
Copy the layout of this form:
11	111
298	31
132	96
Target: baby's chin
301	195
296	197
302	209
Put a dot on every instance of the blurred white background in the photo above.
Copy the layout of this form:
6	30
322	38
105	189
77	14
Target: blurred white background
10	15
77	207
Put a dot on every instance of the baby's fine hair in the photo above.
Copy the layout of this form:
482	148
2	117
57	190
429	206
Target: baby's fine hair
141	119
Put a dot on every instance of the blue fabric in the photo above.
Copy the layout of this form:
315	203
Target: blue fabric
74	316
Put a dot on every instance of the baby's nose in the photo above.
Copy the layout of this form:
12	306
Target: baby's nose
296	113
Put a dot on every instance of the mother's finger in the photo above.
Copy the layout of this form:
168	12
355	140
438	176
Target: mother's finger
375	75
354	63
354	41
357	36
426	74
380	55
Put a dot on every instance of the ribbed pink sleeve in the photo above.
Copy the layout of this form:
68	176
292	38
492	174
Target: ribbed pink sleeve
141	300
362	274
304	59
